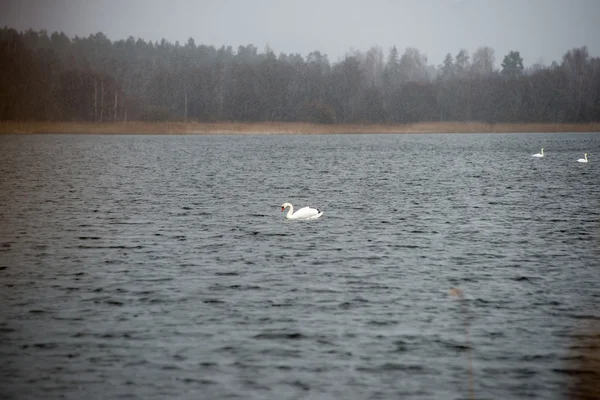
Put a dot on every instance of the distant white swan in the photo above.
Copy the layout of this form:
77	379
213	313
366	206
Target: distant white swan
539	154
584	159
303	213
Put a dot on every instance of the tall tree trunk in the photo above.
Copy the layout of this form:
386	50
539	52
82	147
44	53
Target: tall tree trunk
185	111
577	117
221	90
95	99
101	99
116	102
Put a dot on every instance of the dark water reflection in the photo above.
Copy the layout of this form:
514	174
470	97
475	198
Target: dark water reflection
162	267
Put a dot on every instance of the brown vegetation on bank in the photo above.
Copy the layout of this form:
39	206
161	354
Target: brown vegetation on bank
200	128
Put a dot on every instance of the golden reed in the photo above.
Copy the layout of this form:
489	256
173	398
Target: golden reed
203	128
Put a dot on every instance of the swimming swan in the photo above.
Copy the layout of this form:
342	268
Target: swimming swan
539	154
583	159
303	213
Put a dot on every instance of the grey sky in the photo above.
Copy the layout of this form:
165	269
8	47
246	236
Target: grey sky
539	29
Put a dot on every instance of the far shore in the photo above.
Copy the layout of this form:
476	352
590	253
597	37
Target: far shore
234	128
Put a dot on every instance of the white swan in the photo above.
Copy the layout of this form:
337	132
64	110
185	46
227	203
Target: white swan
303	213
583	159
539	154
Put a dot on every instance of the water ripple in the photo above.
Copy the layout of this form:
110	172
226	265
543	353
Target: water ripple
161	267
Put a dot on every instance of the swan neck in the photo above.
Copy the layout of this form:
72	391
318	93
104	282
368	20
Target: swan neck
290	212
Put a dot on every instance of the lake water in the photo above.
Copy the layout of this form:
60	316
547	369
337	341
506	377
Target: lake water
159	267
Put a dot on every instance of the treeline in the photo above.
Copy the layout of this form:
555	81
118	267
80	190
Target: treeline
53	77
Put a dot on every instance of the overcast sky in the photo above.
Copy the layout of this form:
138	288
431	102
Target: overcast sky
542	30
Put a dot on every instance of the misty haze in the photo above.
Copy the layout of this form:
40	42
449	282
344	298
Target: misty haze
320	199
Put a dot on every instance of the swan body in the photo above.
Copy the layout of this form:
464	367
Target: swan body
584	159
303	213
539	154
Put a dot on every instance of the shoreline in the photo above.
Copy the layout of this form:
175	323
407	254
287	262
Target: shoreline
278	128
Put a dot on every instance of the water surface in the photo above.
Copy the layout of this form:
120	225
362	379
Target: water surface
161	266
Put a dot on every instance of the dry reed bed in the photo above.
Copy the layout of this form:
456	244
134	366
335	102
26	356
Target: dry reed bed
199	128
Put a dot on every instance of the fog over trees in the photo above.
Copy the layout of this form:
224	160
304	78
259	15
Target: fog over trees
54	77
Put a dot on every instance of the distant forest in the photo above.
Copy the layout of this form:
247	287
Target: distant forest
53	77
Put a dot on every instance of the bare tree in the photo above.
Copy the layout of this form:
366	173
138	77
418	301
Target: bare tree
413	65
483	61
576	66
462	64
373	66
